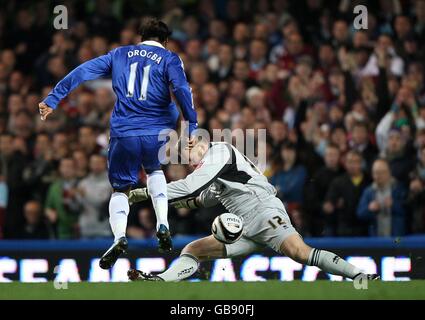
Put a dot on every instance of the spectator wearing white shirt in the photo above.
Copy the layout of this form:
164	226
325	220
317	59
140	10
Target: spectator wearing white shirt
93	195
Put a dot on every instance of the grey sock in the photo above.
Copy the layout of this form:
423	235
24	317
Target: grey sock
331	263
185	266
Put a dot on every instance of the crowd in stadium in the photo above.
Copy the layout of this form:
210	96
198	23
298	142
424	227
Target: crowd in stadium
344	111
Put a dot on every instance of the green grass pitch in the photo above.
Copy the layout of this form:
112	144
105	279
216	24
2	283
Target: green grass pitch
215	290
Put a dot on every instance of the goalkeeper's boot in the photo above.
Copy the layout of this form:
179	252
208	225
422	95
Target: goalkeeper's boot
164	239
369	277
111	256
137	275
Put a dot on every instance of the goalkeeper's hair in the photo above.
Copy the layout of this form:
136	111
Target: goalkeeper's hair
153	28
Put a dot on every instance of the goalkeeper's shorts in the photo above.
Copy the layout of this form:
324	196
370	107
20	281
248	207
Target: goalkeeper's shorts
268	229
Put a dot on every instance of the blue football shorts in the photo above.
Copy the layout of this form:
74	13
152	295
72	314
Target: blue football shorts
126	155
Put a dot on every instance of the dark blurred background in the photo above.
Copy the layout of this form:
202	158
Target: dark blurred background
333	100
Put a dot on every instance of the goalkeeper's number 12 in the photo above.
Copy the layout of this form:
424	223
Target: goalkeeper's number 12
278	221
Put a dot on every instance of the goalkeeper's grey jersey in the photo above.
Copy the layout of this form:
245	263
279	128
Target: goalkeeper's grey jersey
225	175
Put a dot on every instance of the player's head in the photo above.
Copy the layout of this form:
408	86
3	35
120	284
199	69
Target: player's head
195	154
198	151
154	29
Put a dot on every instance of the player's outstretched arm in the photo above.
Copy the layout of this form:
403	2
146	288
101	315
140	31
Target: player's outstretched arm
188	203
183	192
142	194
45	110
90	70
215	162
205	200
182	91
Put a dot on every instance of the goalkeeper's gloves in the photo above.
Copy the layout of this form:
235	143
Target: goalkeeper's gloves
138	195
189	203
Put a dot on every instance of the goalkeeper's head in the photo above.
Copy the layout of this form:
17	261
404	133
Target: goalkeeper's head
194	153
156	30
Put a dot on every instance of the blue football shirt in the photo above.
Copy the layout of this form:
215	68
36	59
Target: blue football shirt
142	76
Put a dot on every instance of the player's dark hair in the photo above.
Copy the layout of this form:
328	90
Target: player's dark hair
154	29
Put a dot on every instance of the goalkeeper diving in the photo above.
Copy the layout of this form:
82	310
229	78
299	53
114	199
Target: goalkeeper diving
224	175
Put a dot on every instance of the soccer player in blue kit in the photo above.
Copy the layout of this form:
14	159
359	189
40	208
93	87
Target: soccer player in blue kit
142	76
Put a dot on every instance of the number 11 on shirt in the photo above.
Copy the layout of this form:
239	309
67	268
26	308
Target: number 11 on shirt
132	79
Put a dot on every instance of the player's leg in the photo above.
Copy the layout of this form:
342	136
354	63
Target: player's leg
123	167
188	262
204	249
157	188
152	154
295	248
274	229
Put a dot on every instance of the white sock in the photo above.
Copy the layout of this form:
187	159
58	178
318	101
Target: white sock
118	212
331	263
157	187
183	268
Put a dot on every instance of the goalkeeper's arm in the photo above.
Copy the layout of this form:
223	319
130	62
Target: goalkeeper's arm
188	203
204	200
142	194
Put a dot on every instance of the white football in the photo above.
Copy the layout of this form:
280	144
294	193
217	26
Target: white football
227	228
